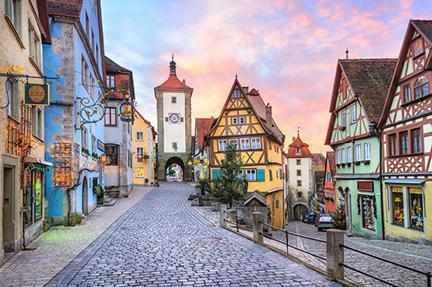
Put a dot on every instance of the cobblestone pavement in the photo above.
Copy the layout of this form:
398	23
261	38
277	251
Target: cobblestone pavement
165	242
60	245
412	255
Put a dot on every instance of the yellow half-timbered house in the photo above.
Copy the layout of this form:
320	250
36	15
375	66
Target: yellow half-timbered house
247	123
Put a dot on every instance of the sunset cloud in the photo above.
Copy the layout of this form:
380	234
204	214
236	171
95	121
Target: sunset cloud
286	49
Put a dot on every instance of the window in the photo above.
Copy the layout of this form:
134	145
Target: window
397	205
34	45
298	151
403	143
407	93
97	55
418	47
234	120
298	162
13	98
234	143
349	154
338	156
242	120
416	214
173	100
139	136
328	177
270	174
367	206
236	93
353	113
92	41
125	85
367	151
245	144
392	145
92	86
250	174
13	12
421	87
299	193
111	81
84	140
37	122
299	183
277	203
84	73
343	118
222	145
255	143
344	158
416	145
358	153
110	116
299	172
140	154
87	24
33	192
140	172
94	143
174	146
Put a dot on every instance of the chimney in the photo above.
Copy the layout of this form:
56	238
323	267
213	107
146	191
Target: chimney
245	90
184	81
269	115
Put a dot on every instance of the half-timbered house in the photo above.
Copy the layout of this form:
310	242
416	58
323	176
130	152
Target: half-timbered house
359	93
330	196
247	123
406	125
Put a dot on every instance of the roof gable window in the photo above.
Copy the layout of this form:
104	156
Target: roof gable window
421	87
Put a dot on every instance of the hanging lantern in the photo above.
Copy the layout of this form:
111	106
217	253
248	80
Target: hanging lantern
127	109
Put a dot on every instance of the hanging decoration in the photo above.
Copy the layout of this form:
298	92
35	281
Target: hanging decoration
36	94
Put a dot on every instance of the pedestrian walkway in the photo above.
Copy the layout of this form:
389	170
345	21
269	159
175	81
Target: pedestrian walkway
60	245
163	241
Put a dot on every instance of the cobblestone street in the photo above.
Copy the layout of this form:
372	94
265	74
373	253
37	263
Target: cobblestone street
164	242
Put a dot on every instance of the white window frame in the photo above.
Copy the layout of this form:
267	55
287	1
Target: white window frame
349	154
140	139
110	81
343	118
250	174
245	144
13	12
237	93
222	145
255	143
367	151
234	120
358	153
38	122
353	112
242	120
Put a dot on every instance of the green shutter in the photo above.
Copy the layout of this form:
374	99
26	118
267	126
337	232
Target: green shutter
260	174
215	174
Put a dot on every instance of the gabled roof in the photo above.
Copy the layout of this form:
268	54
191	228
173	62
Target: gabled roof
66	8
258	107
330	159
202	127
137	113
298	144
369	79
424	28
254	195
113	67
318	161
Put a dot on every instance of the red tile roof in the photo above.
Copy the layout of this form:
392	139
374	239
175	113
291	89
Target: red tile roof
202	127
68	8
298	143
173	83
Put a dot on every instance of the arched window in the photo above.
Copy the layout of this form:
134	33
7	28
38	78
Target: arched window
421	87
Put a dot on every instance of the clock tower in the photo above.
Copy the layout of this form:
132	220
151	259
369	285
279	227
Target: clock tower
173	98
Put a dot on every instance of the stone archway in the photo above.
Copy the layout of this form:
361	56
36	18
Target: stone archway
300	210
174	169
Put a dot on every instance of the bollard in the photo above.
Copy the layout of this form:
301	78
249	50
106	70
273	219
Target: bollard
335	254
222	215
257	226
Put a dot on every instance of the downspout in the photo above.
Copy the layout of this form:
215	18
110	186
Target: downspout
381	187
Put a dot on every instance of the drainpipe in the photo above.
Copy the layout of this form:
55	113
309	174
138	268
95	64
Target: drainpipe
381	187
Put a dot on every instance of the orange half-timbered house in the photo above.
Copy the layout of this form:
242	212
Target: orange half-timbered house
406	124
247	123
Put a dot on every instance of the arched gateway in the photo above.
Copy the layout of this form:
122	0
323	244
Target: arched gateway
174	169
173	99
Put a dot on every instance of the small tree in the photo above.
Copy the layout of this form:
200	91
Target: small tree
231	186
339	217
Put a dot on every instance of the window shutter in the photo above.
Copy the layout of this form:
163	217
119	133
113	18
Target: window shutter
260	174
215	174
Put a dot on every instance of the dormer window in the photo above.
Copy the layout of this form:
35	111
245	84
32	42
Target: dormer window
418	47
421	87
236	93
111	81
298	151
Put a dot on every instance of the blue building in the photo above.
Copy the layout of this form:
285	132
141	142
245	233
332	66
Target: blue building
72	145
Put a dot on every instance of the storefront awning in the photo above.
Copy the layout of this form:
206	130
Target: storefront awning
405	181
34	160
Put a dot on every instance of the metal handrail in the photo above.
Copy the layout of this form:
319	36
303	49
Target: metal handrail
293	233
427	274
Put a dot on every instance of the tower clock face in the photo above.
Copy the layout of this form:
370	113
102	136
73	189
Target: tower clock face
174	118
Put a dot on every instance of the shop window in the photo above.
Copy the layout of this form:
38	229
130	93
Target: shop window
33	196
367	207
421	87
397	206
111	151
416	208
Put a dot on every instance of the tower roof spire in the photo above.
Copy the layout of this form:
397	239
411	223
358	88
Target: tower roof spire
172	66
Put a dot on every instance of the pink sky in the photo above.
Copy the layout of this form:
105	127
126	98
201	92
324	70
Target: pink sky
288	50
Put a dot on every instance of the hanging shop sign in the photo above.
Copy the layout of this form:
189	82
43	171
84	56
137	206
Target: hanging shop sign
37	94
100	145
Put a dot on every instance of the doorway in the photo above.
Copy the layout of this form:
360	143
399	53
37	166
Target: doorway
9	209
300	210
174	169
85	196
